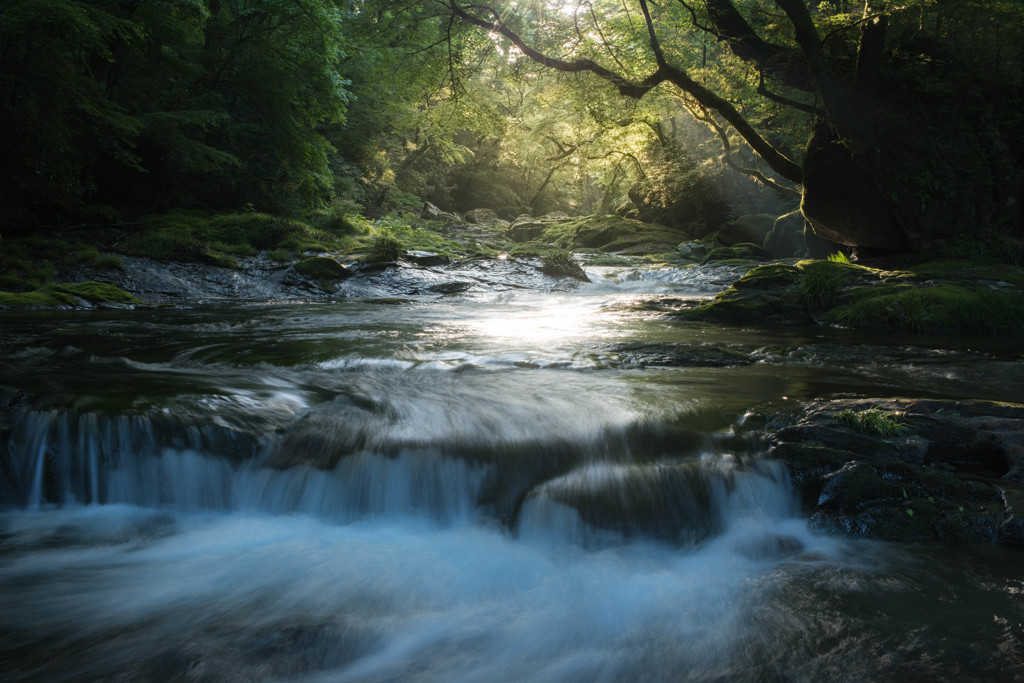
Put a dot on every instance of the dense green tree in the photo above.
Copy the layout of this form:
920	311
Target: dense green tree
909	111
139	104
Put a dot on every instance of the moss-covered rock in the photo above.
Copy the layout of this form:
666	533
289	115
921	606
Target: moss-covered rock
931	306
560	263
746	251
944	474
786	238
322	268
929	297
69	294
608	233
98	293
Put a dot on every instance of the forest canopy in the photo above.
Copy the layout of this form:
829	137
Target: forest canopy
894	124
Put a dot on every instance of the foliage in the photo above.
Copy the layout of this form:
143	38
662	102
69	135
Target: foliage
147	104
201	238
838	257
561	263
385	247
820	282
873	421
902	122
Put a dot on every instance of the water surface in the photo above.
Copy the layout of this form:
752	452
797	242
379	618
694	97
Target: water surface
464	488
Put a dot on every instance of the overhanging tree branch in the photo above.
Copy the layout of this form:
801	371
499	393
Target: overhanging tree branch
625	86
779	162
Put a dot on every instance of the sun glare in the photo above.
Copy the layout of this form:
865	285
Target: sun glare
532	325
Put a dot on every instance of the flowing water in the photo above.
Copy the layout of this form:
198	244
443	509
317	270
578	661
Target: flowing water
479	487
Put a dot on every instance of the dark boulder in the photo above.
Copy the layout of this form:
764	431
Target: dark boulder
909	470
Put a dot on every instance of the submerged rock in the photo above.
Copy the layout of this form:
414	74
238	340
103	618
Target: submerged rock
679	354
910	470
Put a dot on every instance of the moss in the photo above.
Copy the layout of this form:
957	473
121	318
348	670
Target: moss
769	275
68	294
528	250
98	292
737	251
970	271
609	233
39	297
322	268
944	306
198	238
108	262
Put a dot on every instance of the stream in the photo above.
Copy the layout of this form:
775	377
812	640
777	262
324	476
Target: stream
485	486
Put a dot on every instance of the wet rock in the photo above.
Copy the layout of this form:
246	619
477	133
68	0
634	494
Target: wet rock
450	287
916	470
678	354
691	252
427	258
526	230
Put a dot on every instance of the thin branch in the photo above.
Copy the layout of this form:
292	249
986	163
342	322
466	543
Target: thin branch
693	19
604	41
703	115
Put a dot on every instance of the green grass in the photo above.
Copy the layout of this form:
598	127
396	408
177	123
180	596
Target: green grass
873	421
385	247
560	263
820	282
838	257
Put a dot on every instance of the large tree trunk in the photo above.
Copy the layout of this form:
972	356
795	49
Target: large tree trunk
843	201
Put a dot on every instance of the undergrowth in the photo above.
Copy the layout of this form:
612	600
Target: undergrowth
873	421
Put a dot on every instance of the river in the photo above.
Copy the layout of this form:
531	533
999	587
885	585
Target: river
478	487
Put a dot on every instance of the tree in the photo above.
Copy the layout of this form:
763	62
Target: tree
150	104
911	134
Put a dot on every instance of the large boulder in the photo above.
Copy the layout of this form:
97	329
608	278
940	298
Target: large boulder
433	213
526	230
483	216
909	470
786	237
